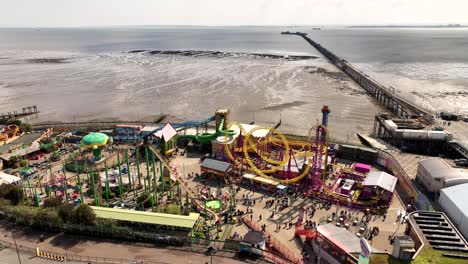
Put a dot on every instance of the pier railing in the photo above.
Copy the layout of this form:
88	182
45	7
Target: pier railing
288	256
408	191
383	95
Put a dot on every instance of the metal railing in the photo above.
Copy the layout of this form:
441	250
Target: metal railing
406	184
288	256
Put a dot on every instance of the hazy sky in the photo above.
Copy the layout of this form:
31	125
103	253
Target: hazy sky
57	13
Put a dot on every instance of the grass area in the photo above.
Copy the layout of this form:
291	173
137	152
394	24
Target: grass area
427	255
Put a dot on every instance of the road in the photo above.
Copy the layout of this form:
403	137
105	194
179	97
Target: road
9	256
107	248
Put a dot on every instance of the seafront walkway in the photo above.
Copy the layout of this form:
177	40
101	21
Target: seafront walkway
9	256
99	250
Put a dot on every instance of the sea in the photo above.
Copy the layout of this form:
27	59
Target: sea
127	73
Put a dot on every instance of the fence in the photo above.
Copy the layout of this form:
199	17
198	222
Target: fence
196	245
408	190
288	255
72	257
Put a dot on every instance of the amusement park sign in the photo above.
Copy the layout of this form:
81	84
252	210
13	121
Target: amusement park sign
366	252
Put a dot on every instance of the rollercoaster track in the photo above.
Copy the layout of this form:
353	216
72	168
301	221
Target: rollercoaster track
192	195
263	173
282	141
249	145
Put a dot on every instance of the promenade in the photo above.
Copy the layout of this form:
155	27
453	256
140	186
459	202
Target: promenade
98	250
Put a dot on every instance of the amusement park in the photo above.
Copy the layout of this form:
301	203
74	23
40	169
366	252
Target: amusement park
276	196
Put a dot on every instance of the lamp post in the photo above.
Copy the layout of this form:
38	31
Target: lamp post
16	247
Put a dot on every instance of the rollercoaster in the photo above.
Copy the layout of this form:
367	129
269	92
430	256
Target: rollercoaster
304	164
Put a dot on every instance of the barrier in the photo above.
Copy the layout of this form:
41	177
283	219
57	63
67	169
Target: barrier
406	186
287	255
51	256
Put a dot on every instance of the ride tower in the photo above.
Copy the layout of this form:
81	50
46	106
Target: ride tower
325	112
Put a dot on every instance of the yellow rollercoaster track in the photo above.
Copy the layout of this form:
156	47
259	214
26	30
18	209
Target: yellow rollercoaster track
249	145
281	140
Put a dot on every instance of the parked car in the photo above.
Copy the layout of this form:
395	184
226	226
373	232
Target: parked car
461	162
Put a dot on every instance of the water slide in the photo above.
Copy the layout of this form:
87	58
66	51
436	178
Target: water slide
181	126
205	138
199	204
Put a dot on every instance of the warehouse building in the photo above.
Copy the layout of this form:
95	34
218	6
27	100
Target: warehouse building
453	202
435	174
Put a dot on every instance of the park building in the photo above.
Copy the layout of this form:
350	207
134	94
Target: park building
435	174
453	202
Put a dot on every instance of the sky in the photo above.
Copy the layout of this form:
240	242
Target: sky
82	13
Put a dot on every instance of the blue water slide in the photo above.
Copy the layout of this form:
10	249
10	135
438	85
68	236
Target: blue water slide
180	126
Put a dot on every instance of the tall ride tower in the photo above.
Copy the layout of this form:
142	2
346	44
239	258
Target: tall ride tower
325	112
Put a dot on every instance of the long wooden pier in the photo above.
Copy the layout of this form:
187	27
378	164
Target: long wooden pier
385	96
26	111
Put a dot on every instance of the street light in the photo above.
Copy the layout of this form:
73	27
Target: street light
16	247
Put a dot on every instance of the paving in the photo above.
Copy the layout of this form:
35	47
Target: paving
186	165
388	227
9	256
92	248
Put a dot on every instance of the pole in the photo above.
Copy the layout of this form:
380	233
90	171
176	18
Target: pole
138	164
147	167
93	188
120	174
30	190
65	186
156	201
130	182
154	172
40	184
50	170
87	173
162	175
16	247
107	183
78	180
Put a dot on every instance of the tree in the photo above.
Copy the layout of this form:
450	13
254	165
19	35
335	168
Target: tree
14	160
16	122
53	202
66	212
84	215
11	192
55	156
172	209
45	216
144	199
104	195
25	127
23	163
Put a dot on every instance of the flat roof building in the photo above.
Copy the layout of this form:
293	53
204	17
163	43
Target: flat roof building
21	146
379	184
435	174
215	167
453	202
182	222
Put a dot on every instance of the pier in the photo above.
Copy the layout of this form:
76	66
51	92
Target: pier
384	95
26	111
387	97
